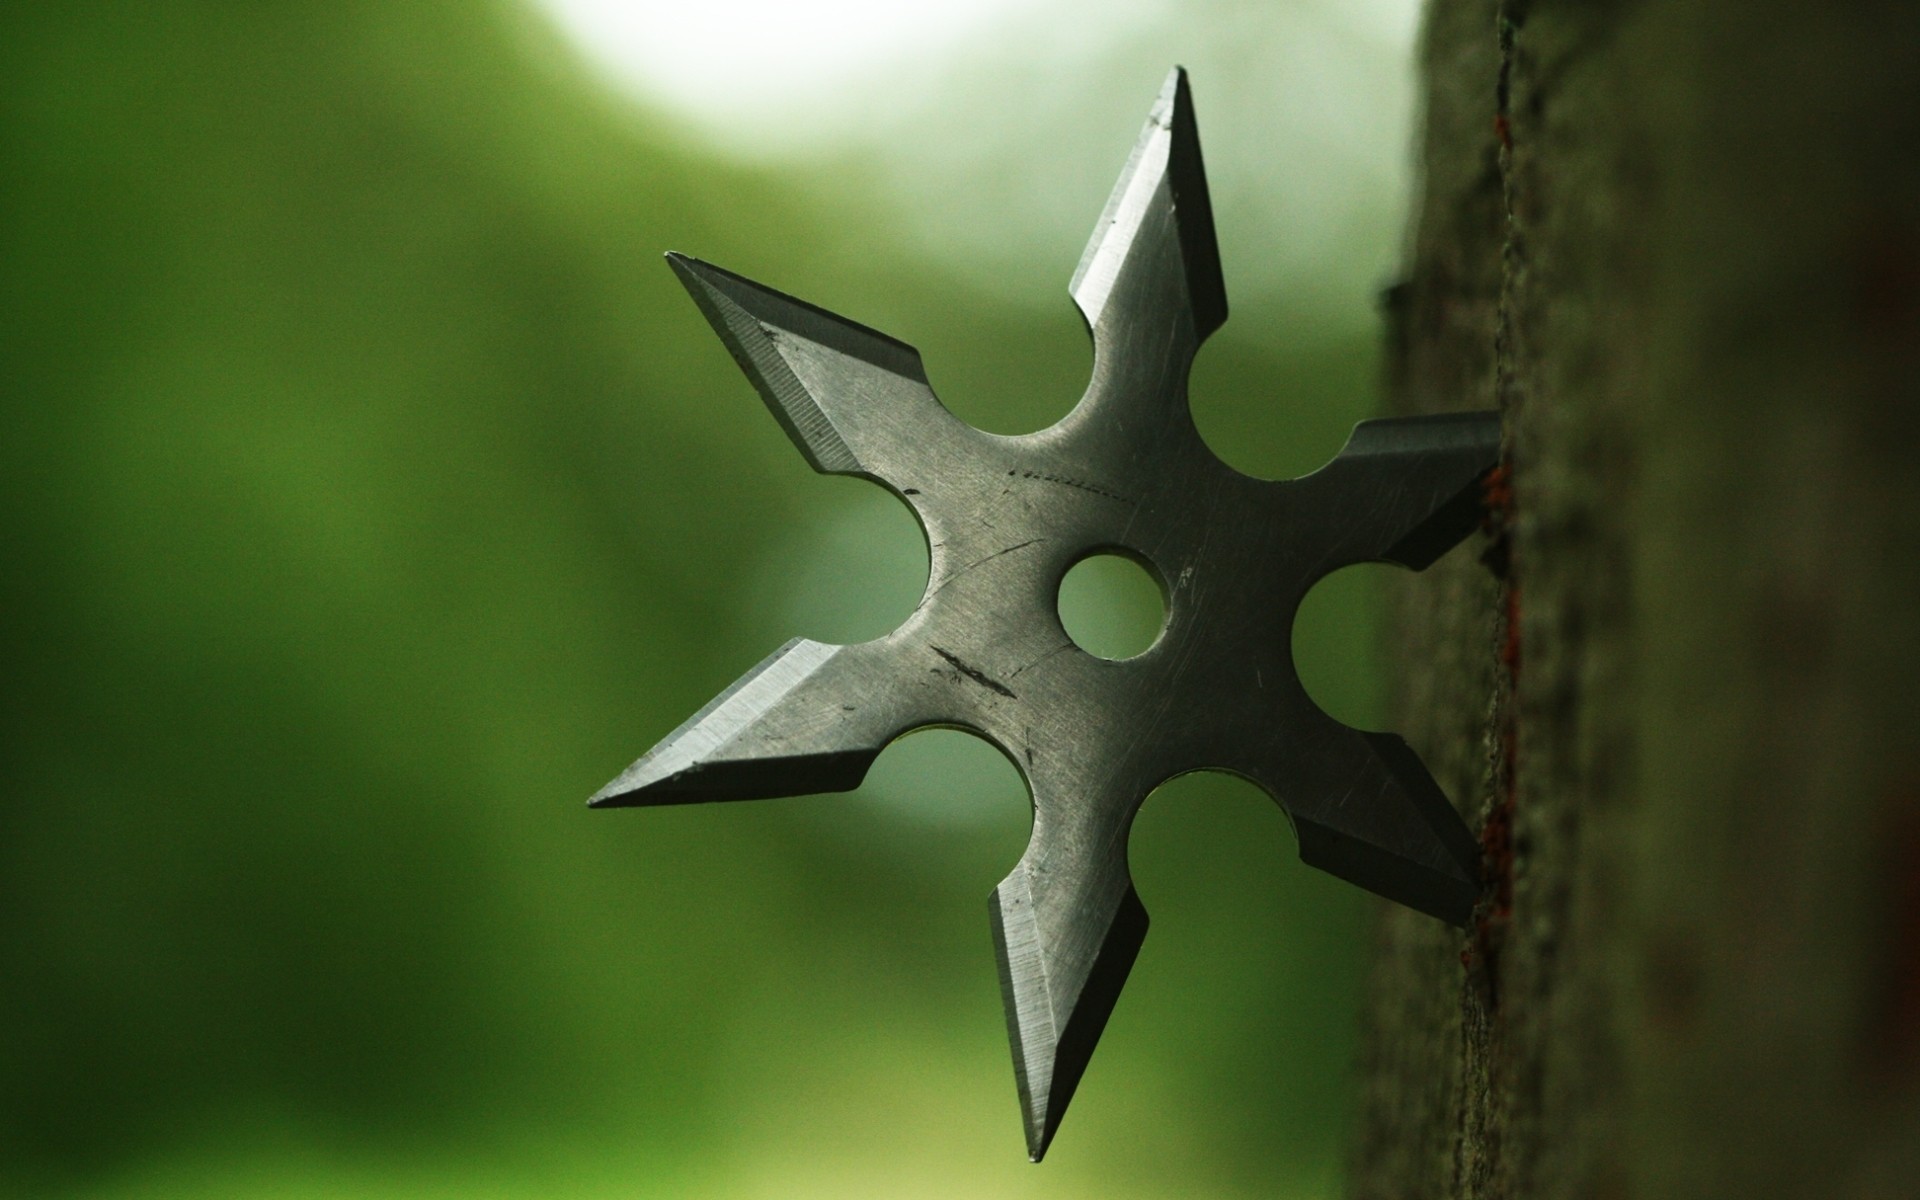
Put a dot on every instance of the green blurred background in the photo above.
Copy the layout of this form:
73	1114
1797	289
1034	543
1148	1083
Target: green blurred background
373	494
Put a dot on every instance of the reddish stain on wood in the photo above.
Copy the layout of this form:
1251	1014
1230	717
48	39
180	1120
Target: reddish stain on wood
1497	491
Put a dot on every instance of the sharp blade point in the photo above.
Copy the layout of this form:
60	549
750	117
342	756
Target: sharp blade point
1062	965
759	738
1160	196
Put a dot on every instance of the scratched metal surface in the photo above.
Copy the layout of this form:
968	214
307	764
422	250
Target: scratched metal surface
1005	517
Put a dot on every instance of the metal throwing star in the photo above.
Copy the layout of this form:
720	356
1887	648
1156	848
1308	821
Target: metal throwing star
1005	517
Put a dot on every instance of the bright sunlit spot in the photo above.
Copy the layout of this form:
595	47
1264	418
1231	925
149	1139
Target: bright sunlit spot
996	126
743	61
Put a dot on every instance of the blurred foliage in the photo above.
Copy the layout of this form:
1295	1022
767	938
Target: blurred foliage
372	495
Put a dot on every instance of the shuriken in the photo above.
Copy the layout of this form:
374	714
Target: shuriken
1005	518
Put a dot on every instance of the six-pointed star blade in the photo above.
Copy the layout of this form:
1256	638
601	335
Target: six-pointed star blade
1005	517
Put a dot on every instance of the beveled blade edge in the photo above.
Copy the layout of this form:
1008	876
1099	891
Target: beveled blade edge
743	312
1431	865
1423	480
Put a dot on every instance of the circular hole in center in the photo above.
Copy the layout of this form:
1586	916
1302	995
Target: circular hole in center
1112	606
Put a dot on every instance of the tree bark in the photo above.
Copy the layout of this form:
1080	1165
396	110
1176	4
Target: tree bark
1677	243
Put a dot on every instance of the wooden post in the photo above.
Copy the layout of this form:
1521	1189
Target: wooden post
1678	243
